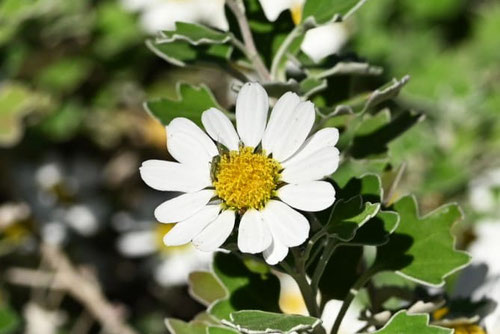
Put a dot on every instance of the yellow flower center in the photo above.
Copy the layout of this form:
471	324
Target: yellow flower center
468	329
296	11
244	179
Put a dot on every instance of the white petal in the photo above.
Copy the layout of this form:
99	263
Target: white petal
287	225
298	123
185	231
316	166
137	243
188	144
183	206
253	235
220	128
216	233
275	253
277	121
309	196
324	40
326	137
173	176
273	8
252	106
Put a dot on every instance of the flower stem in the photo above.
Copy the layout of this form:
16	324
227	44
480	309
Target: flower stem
249	47
362	280
299	275
323	261
283	49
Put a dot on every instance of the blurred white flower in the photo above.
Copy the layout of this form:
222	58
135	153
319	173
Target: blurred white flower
265	188
481	280
484	194
325	40
172	264
156	15
319	42
11	213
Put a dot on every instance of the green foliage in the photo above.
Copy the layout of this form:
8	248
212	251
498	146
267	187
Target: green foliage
422	248
192	101
205	287
241	284
180	327
265	322
9	321
325	10
194	34
403	322
348	216
16	101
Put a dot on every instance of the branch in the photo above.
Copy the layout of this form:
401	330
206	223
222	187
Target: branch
80	287
249	47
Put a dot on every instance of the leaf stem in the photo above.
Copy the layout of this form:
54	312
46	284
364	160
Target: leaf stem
299	275
284	48
248	48
323	261
361	281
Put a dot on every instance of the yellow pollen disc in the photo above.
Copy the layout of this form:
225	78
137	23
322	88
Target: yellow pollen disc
244	179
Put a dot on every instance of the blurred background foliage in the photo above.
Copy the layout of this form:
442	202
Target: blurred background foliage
73	77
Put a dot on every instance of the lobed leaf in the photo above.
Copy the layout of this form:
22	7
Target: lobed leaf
182	53
192	101
348	216
422	249
266	322
194	34
402	322
323	11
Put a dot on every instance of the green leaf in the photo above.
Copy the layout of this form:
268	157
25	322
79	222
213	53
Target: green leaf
205	288
266	322
64	75
387	92
220	330
311	86
182	53
176	326
9	320
369	186
247	289
16	101
194	34
377	230
374	144
335	286
402	322
323	11
422	249
348	216
191	103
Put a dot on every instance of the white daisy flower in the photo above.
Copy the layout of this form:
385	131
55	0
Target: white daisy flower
318	42
266	174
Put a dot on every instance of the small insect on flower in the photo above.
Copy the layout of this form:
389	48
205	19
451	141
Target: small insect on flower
258	175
